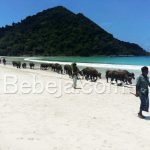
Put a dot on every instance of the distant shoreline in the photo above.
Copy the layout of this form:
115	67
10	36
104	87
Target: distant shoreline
80	56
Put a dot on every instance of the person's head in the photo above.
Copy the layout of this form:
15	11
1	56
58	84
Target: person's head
144	70
74	64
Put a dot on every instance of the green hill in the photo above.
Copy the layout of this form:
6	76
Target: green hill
58	31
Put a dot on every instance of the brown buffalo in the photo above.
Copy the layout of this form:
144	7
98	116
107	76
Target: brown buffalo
91	73
122	75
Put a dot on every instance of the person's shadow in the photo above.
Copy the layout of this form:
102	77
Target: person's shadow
78	88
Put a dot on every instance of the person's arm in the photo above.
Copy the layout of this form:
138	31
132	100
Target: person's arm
137	86
148	81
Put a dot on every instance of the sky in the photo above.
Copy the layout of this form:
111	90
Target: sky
127	20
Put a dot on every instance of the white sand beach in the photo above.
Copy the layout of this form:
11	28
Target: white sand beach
76	120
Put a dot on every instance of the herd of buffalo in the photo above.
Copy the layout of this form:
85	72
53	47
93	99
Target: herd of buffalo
89	73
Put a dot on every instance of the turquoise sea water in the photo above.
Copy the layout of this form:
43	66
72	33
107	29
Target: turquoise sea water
142	61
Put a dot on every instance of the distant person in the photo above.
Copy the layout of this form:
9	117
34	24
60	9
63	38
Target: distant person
4	61
74	74
142	91
0	61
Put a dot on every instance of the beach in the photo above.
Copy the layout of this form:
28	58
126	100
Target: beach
104	118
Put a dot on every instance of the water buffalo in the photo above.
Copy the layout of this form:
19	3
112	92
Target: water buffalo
68	70
4	61
31	65
57	68
91	73
45	66
24	65
53	67
122	75
16	64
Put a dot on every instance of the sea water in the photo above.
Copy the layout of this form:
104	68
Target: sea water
134	63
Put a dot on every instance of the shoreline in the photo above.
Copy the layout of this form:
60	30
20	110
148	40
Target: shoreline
136	68
96	65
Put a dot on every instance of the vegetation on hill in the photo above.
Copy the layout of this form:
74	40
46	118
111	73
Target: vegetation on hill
58	31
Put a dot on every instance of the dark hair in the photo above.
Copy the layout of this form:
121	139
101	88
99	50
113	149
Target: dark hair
74	64
144	69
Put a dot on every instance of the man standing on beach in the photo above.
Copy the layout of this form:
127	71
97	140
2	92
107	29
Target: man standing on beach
74	74
142	91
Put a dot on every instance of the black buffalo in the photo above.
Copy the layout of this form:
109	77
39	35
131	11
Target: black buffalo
24	65
16	64
31	65
45	66
57	68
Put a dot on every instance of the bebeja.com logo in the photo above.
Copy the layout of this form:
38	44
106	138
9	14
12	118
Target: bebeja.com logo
57	86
